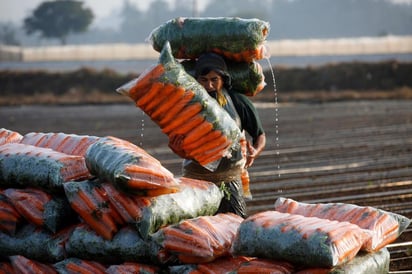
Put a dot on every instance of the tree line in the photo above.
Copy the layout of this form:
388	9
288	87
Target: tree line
297	19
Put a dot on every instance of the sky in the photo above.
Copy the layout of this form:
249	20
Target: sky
16	10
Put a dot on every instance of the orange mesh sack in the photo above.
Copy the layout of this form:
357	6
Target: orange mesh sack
301	240
24	165
176	102
129	167
199	240
235	38
385	226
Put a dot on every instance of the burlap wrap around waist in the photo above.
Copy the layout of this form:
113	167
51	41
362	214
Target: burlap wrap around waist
217	177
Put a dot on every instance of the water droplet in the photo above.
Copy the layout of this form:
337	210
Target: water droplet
276	119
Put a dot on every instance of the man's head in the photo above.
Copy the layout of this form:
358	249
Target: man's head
211	72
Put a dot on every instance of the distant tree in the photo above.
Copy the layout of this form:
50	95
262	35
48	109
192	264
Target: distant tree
8	35
58	19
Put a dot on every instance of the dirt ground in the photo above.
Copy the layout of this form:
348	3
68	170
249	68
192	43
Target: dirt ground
348	151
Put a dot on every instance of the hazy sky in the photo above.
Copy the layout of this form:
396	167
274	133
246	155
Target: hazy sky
17	10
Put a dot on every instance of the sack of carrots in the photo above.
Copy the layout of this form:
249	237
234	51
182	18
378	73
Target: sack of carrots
23	165
308	241
246	77
9	136
176	102
35	243
71	144
235	38
126	246
385	227
238	264
129	167
10	218
196	198
40	208
199	240
91	203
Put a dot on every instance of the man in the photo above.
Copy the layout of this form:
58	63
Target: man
211	72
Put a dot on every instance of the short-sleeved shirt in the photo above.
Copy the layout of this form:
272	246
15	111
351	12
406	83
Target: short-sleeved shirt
249	117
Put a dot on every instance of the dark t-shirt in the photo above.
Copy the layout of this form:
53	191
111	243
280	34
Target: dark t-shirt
248	114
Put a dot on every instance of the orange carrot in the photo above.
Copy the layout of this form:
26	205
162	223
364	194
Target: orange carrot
144	80
149	173
163	109
149	94
211	147
98	226
195	235
161	191
198	132
101	195
190	144
183	116
163	93
190	124
29	212
176	108
122	203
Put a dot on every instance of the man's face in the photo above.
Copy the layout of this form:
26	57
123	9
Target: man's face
212	81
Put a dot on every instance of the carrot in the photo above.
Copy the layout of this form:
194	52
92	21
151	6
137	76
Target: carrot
189	232
30	213
144	80
150	174
198	133
163	109
163	94
211	147
189	145
161	191
112	211
125	205
190	124
196	242
99	227
87	199
176	108
149	94
183	247
213	154
182	117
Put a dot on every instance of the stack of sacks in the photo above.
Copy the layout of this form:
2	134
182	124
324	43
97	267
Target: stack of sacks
107	224
321	238
100	219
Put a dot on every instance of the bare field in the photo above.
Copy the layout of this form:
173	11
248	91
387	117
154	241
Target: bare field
356	151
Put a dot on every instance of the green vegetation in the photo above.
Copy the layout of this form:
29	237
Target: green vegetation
344	81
